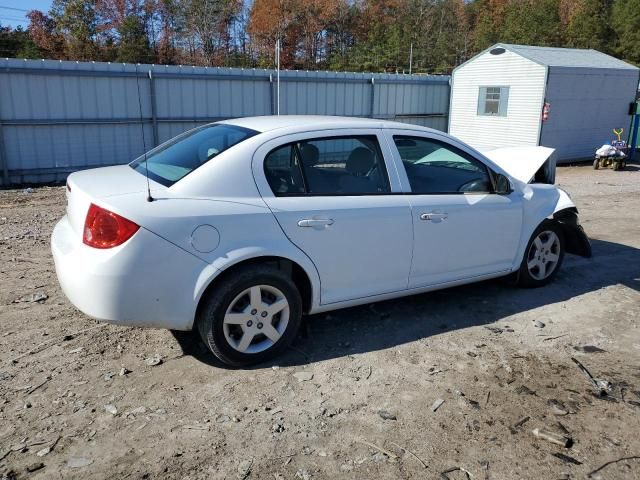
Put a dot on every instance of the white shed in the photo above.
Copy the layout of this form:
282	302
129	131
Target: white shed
499	96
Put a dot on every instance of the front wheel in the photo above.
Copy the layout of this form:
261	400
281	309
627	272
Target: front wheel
250	316
543	256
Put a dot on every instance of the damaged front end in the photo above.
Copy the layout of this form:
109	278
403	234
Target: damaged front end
576	241
527	164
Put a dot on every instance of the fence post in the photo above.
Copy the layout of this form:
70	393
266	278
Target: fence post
373	96
154	115
271	95
634	134
3	160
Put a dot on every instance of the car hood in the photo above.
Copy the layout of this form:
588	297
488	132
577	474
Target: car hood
522	163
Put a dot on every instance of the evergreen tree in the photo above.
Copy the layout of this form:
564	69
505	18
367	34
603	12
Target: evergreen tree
625	18
77	21
588	27
532	22
17	43
133	45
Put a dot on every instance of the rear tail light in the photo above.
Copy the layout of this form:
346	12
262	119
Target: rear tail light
105	229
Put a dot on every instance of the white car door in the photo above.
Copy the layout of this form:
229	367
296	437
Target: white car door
462	229
336	199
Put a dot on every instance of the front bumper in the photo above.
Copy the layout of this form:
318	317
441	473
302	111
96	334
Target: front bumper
147	281
575	238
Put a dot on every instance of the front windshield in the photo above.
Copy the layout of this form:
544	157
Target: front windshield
171	161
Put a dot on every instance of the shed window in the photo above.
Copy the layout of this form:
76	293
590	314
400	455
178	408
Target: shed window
493	101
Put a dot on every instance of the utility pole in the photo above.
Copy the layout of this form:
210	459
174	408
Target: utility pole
410	57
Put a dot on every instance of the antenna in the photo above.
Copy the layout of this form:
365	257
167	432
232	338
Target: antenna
278	76
144	142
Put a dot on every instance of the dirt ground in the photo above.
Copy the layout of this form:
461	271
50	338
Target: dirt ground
78	399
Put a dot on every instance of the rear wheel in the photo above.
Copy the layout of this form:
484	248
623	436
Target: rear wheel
543	256
251	316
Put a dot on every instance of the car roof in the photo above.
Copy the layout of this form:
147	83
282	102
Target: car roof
314	122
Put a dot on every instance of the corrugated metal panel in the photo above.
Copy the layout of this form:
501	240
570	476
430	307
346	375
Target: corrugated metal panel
585	108
520	126
56	117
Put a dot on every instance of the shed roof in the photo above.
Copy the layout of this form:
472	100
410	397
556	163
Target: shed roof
567	57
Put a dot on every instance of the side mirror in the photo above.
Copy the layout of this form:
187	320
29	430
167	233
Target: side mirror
503	185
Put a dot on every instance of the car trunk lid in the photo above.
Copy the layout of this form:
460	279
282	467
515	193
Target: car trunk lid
96	185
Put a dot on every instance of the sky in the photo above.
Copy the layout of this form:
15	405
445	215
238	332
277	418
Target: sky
12	12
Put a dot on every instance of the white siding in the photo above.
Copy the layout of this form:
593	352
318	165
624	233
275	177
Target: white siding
586	105
526	82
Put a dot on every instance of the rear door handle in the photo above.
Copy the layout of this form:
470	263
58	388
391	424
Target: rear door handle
434	216
315	222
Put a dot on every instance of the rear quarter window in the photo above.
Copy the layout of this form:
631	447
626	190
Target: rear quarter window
173	160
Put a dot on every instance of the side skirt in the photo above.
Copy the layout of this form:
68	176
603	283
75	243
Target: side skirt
405	293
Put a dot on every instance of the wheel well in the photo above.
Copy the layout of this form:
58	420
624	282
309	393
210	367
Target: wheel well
295	271
576	241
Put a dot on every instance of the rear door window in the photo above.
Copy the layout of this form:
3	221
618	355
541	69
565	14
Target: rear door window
349	165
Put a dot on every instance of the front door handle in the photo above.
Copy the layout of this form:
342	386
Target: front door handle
434	216
315	222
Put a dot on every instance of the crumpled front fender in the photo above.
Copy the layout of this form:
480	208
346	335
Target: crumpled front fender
543	202
576	240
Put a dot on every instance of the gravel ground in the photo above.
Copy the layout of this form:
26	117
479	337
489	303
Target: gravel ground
355	397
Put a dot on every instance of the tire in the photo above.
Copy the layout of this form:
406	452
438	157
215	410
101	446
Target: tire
596	164
235	320
540	256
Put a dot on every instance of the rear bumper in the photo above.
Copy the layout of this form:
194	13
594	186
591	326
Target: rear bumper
147	281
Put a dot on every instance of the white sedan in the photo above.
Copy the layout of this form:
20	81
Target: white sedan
238	228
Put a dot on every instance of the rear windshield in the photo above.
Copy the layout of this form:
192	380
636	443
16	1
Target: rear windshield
180	156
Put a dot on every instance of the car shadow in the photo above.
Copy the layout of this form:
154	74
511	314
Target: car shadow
391	323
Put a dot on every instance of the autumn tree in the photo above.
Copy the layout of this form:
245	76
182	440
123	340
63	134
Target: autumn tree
207	23
272	20
44	33
170	27
357	35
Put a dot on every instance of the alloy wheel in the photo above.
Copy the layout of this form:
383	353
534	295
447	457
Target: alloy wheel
256	319
544	255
